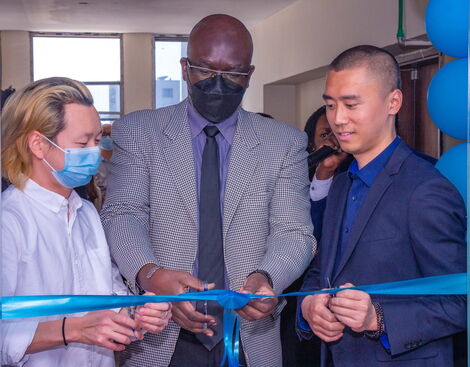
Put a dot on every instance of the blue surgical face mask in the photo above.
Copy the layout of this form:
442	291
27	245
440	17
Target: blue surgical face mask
80	164
106	143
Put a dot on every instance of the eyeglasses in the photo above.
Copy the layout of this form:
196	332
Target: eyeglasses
206	73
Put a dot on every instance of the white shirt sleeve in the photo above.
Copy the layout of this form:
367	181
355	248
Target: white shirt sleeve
16	334
45	235
119	287
319	188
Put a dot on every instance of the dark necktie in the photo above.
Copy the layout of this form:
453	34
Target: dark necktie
210	247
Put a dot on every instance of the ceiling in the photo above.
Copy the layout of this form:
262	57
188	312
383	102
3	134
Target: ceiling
123	16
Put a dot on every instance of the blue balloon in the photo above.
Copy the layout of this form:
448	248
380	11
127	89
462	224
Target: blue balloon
447	26
454	164
447	99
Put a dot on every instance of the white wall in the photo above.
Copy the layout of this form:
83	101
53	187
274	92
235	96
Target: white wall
138	71
309	99
16	59
307	35
280	102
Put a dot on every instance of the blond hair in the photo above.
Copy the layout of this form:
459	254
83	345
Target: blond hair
37	107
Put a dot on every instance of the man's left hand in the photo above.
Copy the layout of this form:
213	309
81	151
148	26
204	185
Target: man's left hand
354	309
257	308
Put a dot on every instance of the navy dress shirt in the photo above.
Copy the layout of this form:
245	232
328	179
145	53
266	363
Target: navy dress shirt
362	180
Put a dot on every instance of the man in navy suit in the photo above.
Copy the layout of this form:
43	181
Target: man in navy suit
392	216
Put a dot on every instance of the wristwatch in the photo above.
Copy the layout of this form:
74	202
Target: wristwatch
266	274
152	271
138	288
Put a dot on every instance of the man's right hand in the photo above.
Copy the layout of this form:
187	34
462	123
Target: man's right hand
322	321
165	281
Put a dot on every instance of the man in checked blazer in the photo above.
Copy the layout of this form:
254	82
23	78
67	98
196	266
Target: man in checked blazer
391	217
152	213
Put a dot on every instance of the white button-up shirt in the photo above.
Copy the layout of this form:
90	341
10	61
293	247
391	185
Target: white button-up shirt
52	246
319	188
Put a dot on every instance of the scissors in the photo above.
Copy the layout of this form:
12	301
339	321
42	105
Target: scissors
330	286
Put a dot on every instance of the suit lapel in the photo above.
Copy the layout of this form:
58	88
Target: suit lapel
337	202
179	157
372	199
243	161
380	185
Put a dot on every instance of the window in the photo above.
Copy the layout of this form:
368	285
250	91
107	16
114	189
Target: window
170	88
95	61
167	93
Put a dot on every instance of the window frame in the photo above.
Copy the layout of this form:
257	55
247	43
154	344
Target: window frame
118	115
156	38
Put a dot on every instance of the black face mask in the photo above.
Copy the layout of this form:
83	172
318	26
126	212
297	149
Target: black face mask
216	98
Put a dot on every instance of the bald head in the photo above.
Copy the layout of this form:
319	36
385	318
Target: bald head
221	42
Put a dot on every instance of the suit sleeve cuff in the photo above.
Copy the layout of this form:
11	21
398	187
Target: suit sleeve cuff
303	328
319	188
303	324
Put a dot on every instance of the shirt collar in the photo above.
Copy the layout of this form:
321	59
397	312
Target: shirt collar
197	123
50	199
369	172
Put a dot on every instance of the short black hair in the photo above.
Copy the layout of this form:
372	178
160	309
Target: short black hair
377	60
311	124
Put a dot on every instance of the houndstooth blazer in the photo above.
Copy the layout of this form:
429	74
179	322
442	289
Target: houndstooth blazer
151	214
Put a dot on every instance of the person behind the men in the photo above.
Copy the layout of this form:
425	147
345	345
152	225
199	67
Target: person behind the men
52	241
206	191
322	173
320	135
106	149
391	217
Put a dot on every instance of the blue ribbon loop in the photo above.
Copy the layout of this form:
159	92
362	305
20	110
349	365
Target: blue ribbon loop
34	306
231	342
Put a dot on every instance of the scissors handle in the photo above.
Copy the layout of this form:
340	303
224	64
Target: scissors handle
329	285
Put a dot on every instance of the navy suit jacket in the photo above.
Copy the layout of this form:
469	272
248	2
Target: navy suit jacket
412	224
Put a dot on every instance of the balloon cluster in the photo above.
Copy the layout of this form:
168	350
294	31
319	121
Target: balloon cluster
447	28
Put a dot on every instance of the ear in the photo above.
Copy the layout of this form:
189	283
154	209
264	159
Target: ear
184	68
252	69
37	145
395	102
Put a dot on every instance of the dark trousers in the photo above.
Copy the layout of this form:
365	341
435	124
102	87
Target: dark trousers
296	353
189	352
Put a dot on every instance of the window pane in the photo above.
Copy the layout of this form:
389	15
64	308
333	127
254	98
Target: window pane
109	116
83	58
170	88
106	97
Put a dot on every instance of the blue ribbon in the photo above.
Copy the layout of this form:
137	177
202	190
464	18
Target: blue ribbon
231	342
34	306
